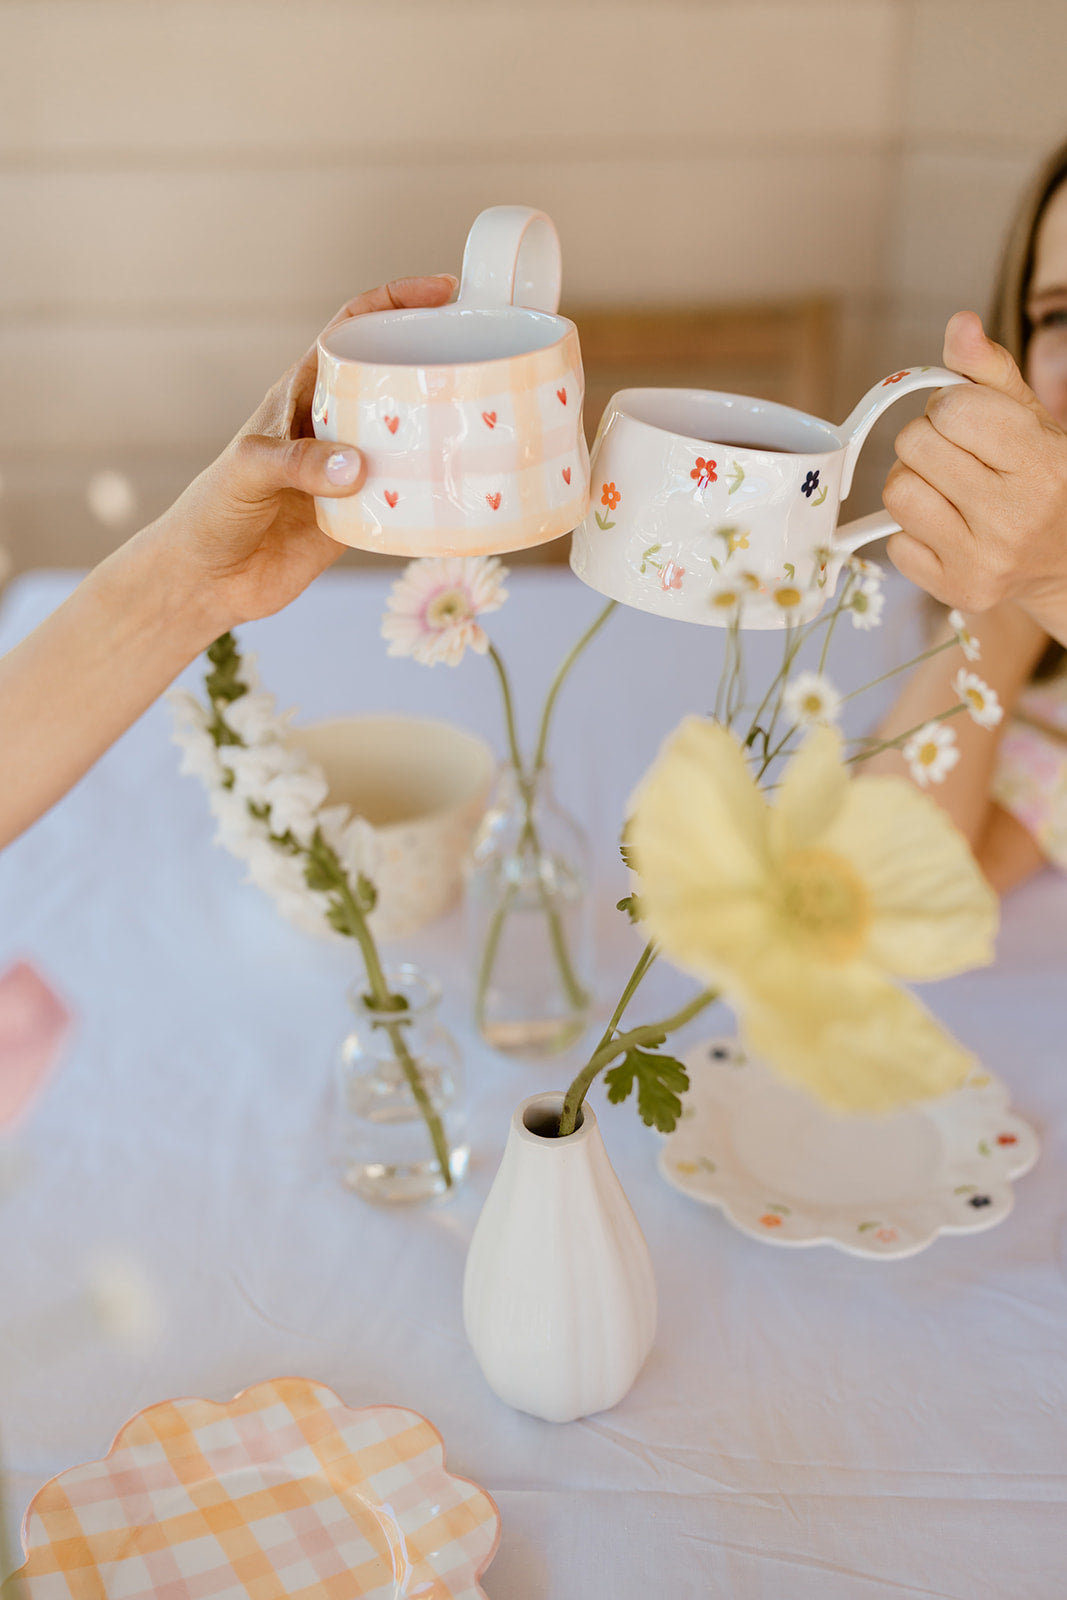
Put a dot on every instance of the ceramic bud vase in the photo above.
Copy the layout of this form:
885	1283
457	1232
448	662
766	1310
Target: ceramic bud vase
400	1121
529	920
559	1297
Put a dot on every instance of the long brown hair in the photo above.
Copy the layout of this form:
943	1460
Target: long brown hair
1007	321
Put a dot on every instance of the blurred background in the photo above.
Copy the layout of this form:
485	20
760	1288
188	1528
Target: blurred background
783	196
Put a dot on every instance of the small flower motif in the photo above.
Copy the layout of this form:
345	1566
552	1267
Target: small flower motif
434	606
980	1200
736	539
769	1220
671	576
931	753
980	700
895	377
869	570
964	637
1007	1138
810	484
886	1235
811	699
867	604
609	496
704	472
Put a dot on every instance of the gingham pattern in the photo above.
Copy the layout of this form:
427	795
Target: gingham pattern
283	1491
460	460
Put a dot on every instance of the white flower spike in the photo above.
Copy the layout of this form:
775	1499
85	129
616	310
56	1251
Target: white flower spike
980	700
931	753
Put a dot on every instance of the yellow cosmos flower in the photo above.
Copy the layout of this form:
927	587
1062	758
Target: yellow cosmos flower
803	911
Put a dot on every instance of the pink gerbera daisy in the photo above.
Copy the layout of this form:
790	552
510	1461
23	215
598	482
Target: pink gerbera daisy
434	606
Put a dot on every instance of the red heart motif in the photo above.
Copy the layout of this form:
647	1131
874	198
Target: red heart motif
392	423
561	396
391	497
494	501
489	418
566	474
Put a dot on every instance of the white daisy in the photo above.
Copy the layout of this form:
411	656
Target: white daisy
931	753
867	603
964	637
980	700
811	699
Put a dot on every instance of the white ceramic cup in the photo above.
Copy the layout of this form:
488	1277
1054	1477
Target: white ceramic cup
469	415
694	491
423	786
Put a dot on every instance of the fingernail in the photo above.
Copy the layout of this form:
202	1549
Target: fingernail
343	466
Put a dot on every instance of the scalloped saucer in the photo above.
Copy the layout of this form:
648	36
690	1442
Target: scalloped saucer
785	1169
283	1490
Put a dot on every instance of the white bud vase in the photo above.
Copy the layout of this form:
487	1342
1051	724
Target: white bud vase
559	1297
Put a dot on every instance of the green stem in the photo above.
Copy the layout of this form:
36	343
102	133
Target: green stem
648	1033
489	955
644	961
905	666
409	1067
902	738
509	713
560	679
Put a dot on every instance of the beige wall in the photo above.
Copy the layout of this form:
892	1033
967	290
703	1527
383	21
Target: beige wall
188	188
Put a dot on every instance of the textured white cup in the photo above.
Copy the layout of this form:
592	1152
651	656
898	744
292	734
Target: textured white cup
423	786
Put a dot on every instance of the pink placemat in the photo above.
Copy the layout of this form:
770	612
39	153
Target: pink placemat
33	1025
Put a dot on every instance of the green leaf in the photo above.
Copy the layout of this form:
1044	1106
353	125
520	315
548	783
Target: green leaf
716	564
819	498
661	1080
790	571
366	895
737	476
224	683
632	906
626	849
602	522
337	917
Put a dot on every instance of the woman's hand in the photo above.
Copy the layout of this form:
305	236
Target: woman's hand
980	489
244	531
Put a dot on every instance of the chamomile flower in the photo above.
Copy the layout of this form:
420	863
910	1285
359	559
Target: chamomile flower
811	699
964	637
931	753
866	604
980	700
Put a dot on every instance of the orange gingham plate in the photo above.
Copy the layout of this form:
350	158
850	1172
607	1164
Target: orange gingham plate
283	1491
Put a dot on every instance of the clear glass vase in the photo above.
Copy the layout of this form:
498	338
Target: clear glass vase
529	920
400	1134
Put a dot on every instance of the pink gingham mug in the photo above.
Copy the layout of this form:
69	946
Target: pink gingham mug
469	415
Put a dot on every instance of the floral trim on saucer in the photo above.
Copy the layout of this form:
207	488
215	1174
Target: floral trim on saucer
786	1170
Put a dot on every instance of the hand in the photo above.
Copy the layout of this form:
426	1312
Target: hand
980	489
245	529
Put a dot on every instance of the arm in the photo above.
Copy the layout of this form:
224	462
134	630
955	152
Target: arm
1012	644
240	543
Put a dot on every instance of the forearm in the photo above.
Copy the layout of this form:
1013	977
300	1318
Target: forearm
88	672
1012	644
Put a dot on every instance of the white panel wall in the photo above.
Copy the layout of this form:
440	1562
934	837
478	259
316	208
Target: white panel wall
188	188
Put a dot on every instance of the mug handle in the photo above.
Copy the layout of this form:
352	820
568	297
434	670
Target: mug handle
855	428
512	258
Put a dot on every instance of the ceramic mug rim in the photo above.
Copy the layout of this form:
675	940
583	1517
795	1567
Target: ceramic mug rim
563	327
474	741
617	406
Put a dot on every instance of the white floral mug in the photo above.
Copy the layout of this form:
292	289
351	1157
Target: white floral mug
745	526
469	415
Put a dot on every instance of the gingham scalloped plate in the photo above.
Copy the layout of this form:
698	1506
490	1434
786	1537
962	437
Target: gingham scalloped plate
786	1170
282	1491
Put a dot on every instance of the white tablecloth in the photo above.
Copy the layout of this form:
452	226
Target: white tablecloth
808	1427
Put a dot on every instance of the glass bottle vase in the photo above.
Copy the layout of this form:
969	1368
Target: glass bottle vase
400	1128
529	920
